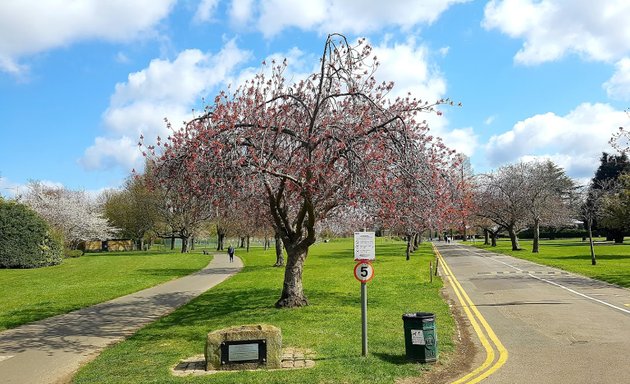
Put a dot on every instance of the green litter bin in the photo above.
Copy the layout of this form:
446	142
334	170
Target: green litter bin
420	337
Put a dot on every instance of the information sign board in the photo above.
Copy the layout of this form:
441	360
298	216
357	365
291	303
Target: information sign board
364	248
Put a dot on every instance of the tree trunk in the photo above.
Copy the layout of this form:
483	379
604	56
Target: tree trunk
514	239
192	243
279	254
184	244
589	225
536	245
493	238
292	291
486	237
242	242
618	237
220	238
247	243
172	242
408	250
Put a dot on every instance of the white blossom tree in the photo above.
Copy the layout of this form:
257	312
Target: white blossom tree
74	213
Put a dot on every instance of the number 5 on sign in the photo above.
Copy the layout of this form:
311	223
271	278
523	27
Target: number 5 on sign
364	271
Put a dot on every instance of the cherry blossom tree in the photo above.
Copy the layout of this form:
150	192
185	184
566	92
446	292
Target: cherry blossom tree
183	201
325	142
420	193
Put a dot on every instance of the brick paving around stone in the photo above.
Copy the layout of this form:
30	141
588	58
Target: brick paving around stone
292	358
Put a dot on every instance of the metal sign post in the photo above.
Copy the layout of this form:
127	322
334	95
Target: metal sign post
364	252
364	272
364	344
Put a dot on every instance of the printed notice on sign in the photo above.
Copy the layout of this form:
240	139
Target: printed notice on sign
417	337
364	248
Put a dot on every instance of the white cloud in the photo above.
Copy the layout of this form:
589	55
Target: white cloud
409	66
462	140
165	89
575	141
241	11
108	152
618	86
122	58
32	26
171	88
205	10
347	16
553	28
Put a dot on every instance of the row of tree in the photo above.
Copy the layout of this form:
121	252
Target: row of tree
529	195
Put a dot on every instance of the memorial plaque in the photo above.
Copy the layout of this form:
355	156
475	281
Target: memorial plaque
243	351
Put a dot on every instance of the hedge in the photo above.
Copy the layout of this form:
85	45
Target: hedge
25	238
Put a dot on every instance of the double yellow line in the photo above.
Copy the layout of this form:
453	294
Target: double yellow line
488	338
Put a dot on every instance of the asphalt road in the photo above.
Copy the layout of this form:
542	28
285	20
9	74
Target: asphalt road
556	327
51	350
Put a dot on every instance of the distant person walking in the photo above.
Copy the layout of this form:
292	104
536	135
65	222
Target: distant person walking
231	253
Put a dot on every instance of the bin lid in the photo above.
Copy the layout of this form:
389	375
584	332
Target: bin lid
418	315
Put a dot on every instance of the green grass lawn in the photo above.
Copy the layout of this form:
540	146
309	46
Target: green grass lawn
34	294
330	326
613	260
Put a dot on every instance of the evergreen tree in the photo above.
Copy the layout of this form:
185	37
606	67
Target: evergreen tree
611	167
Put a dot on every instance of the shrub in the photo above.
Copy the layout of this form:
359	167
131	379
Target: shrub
25	239
67	253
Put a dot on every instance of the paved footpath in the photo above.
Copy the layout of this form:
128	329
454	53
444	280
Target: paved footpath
557	327
51	350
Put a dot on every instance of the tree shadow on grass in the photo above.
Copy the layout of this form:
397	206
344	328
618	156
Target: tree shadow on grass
587	257
241	306
622	280
393	358
30	313
90	329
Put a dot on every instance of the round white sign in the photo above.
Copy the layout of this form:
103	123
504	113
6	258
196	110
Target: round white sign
364	271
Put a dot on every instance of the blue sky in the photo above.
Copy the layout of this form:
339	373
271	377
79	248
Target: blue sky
81	80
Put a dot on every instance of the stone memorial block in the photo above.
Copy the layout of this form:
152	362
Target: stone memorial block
244	347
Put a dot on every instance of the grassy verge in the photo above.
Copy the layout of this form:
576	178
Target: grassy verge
33	294
613	260
330	326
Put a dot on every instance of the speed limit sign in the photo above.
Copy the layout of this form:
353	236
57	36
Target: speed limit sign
364	271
